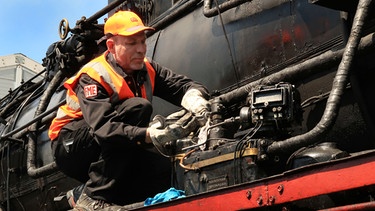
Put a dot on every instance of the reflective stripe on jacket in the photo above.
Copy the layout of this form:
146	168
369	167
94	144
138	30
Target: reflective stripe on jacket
115	85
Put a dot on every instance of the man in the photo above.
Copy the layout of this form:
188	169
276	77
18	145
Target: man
104	127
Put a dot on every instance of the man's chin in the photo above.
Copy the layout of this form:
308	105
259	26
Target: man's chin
137	66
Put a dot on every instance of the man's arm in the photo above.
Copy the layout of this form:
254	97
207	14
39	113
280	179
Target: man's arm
100	114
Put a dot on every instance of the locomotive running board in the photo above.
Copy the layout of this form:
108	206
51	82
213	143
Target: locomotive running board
298	184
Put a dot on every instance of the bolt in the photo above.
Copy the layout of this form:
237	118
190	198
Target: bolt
271	200
284	209
204	178
280	189
260	200
248	194
263	157
263	143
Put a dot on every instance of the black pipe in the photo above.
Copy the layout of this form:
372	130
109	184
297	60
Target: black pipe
15	101
32	170
209	11
36	119
338	87
104	11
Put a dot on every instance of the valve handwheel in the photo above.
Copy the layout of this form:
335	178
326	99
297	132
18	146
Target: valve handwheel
64	28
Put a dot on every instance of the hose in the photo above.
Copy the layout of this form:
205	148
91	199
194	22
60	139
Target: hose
32	170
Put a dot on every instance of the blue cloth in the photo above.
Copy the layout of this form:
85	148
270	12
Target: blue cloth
168	195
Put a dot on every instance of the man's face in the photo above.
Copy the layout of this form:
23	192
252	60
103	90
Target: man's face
129	51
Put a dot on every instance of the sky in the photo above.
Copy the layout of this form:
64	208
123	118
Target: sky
31	26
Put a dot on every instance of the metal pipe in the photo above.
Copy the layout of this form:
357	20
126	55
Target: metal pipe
209	11
32	170
104	11
36	119
15	101
333	102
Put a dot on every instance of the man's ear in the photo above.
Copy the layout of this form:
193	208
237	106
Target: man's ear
110	45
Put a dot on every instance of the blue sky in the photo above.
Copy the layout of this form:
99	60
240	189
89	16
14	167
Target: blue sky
31	26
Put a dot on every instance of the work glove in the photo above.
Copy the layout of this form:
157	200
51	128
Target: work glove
194	102
165	139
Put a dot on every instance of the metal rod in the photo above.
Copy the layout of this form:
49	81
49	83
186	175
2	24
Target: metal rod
104	11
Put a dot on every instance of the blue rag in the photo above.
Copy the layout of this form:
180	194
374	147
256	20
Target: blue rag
168	195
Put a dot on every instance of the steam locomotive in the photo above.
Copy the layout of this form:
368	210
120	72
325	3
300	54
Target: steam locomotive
292	119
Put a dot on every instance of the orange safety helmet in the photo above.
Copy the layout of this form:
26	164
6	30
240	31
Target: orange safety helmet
124	23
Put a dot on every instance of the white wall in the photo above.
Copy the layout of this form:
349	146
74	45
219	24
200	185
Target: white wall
14	69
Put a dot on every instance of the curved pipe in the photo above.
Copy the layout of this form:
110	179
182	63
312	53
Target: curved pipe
32	170
333	103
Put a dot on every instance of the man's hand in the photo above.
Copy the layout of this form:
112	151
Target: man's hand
165	139
194	102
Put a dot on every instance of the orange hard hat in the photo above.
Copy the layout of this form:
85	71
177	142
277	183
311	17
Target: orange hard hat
124	23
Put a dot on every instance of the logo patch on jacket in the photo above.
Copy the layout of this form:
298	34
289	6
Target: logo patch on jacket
91	91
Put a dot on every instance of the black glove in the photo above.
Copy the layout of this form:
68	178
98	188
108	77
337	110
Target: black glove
165	139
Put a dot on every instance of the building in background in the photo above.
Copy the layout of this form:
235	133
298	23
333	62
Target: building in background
16	69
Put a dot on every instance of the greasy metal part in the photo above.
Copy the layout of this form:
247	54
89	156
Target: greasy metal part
340	81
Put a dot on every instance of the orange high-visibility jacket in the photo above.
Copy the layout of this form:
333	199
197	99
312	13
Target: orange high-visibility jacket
102	72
